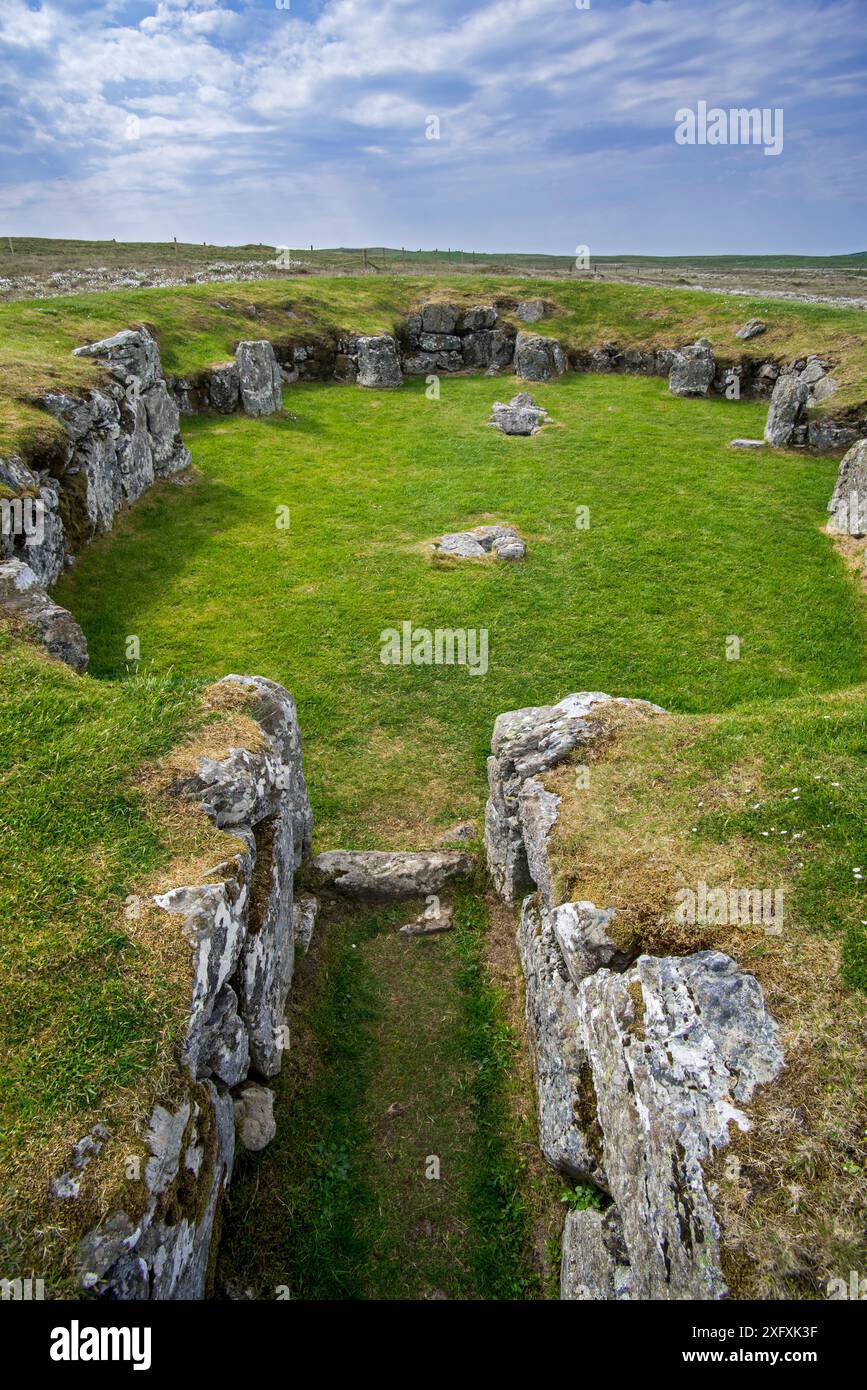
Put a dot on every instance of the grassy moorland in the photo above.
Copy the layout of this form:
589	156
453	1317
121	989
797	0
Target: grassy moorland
197	325
401	1054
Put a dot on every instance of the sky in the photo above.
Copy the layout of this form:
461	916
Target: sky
299	122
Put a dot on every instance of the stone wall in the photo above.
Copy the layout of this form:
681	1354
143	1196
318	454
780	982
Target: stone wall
238	921
641	1063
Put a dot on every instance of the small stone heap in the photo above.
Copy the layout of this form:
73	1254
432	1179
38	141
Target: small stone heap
501	540
521	415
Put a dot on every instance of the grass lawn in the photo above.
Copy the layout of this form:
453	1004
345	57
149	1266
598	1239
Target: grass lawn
689	543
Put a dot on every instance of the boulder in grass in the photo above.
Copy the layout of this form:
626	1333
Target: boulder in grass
751	329
519	416
530	310
538	358
501	540
747	444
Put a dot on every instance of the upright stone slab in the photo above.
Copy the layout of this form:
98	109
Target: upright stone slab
259	381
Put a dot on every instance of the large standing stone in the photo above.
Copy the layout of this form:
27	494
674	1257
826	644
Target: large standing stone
786	410
259	381
378	363
224	388
568	1137
538	358
848	504
693	370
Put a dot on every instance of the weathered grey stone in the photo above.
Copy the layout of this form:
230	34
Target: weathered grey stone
378	363
848	504
163	420
747	444
131	353
751	329
461	544
520	415
530	310
595	1263
564	1093
224	390
526	743
260	384
538	358
26	602
255	1125
583	933
479	317
440	342
438	317
537	812
31	528
431	363
305	910
378	874
225	1047
693	370
435	919
786	410
824	434
503	348
676	1046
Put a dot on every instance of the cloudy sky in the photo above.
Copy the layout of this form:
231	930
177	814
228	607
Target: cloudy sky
307	121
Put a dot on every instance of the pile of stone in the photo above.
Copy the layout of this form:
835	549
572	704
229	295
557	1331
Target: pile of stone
521	415
442	337
501	540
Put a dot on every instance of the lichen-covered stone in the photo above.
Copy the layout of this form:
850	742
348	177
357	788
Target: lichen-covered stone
260	384
54	628
378	363
693	370
786	410
381	875
538	358
848	504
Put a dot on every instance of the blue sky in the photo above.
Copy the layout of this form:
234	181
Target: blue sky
237	120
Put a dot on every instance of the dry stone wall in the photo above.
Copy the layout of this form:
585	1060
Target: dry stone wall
641	1064
239	923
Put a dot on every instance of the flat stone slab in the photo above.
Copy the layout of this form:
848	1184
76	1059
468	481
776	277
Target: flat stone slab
380	875
747	444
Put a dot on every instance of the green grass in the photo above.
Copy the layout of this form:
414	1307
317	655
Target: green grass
197	325
83	1017
400	1056
689	543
